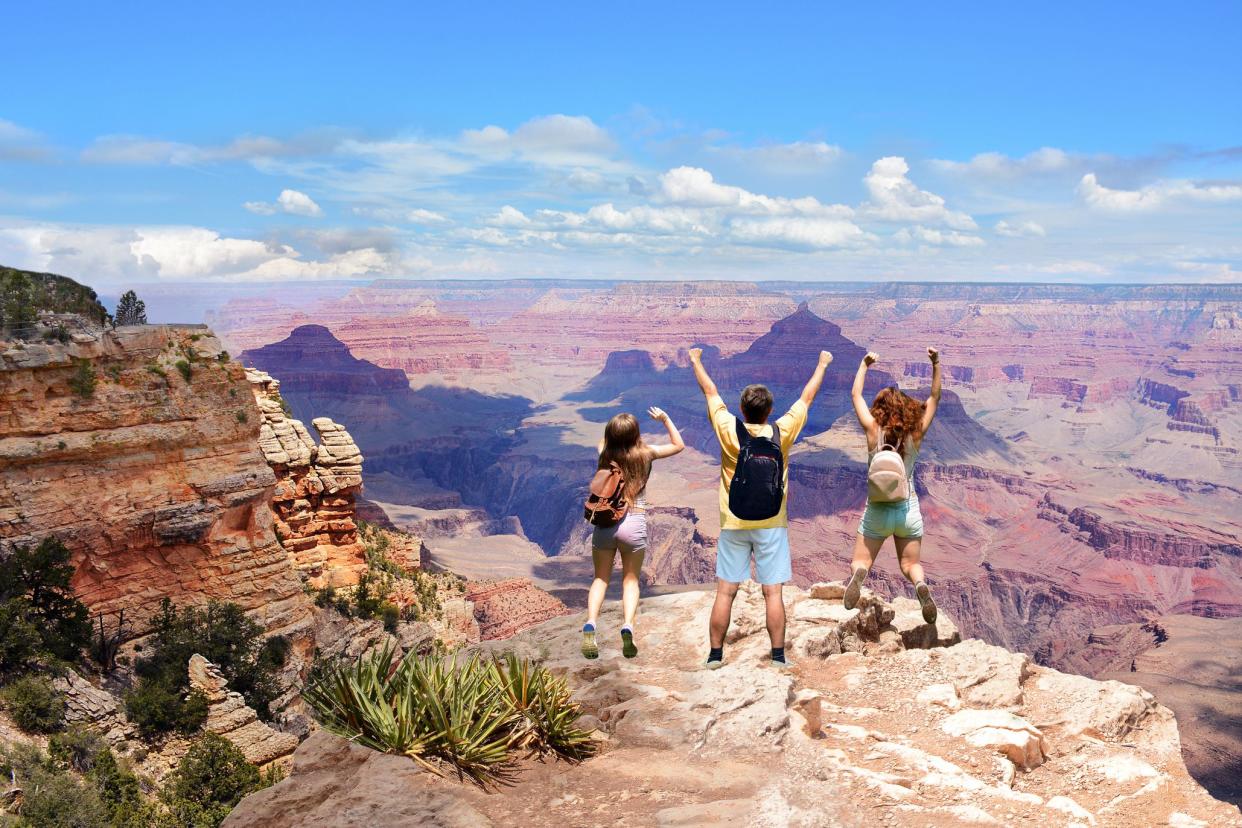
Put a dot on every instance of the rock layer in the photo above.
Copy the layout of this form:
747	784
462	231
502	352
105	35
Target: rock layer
154	481
230	716
317	485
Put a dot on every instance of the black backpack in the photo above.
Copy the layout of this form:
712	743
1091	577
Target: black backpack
758	485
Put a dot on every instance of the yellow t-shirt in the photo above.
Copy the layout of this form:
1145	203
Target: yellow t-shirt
723	423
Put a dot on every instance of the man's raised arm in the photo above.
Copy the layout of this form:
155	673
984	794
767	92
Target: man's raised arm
812	385
700	373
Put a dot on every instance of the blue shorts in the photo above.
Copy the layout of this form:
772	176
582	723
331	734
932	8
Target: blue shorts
769	547
898	520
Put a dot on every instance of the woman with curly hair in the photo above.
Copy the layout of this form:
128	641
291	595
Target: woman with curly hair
895	421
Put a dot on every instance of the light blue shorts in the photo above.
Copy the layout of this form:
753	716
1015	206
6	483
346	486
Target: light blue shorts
898	520
769	547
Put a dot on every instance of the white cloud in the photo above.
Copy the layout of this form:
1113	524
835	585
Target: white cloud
936	237
137	150
798	232
795	158
293	202
178	253
1154	196
20	144
693	186
999	165
894	197
509	216
1019	229
552	140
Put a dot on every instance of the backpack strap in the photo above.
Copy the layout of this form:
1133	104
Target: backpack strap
776	437
743	436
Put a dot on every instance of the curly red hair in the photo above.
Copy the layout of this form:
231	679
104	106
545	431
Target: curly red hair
898	415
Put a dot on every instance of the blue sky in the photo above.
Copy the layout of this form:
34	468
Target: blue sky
1059	142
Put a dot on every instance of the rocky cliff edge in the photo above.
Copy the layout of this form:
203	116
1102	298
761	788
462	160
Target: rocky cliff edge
883	720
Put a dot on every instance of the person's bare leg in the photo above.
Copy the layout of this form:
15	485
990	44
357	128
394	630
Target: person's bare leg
722	611
865	550
631	565
908	553
602	560
774	603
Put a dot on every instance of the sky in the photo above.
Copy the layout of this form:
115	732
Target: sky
250	143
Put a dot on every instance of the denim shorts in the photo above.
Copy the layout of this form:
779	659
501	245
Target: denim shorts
898	520
769	547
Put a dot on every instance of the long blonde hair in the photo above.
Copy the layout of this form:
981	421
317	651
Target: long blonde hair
623	445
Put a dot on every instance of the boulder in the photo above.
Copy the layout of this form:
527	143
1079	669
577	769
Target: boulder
230	716
336	784
986	676
1015	738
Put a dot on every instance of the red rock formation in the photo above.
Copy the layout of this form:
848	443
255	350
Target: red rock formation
316	486
154	481
505	608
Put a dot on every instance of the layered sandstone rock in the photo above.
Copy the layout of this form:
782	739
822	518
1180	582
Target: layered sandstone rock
506	607
878	734
316	488
230	716
155	480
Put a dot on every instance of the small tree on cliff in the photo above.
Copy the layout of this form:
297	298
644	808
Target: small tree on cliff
220	633
131	310
16	301
35	596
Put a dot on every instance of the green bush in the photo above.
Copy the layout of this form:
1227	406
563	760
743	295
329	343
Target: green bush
242	416
222	634
77	747
34	704
162	705
59	800
186	371
118	788
210	780
471	715
35	595
83	380
391	615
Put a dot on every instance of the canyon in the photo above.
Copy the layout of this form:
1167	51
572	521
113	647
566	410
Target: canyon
1083	470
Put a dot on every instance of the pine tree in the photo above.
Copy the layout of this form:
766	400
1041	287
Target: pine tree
131	310
16	302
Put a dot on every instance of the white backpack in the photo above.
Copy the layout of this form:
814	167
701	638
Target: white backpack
886	476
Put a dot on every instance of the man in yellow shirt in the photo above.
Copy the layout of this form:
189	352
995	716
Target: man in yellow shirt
765	540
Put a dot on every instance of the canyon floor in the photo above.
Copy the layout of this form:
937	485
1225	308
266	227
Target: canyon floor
878	723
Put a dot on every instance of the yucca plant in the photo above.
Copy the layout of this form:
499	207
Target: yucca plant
547	716
468	714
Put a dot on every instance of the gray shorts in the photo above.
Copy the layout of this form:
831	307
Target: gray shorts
630	535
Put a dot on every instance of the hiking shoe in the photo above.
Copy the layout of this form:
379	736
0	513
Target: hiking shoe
628	648
854	591
714	663
589	648
926	602
782	664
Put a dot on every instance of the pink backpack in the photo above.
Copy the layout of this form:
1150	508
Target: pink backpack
887	481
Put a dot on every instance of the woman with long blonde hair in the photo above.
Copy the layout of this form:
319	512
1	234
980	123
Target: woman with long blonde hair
623	444
894	421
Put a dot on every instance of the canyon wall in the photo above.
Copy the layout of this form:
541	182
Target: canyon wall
152	475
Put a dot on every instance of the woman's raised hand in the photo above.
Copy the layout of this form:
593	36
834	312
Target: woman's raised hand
933	355
870	358
657	414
